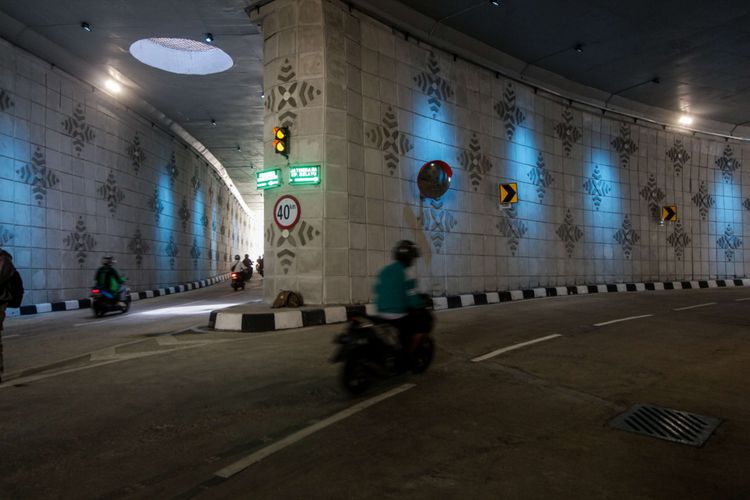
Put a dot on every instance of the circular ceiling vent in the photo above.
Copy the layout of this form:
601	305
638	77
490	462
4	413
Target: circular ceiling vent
181	55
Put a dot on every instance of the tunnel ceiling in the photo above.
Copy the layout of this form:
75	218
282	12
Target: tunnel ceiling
699	49
232	98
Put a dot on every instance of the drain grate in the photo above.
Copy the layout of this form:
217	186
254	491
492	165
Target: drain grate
663	423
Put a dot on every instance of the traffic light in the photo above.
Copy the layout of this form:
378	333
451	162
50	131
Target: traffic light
281	141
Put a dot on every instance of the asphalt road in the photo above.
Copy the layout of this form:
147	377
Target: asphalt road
238	415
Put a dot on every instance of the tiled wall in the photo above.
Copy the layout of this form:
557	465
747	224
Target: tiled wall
591	185
82	177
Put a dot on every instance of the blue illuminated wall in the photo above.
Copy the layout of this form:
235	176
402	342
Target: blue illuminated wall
591	187
81	177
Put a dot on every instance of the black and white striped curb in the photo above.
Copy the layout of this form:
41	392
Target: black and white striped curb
284	320
70	305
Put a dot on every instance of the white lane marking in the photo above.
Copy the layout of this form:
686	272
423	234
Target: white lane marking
623	319
514	346
259	455
10	336
695	307
740	300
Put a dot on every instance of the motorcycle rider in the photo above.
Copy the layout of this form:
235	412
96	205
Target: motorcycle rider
239	267
109	280
397	300
248	265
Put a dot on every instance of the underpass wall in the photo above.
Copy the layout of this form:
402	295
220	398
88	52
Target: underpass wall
591	185
82	177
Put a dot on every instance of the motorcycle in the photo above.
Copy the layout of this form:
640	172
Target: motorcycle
103	302
370	350
238	280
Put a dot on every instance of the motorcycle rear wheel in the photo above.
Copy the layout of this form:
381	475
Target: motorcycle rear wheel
99	311
422	357
356	376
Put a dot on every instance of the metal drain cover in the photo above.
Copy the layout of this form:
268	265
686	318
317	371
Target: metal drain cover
663	423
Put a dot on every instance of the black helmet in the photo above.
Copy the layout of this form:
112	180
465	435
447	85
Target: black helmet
236	257
108	260
405	252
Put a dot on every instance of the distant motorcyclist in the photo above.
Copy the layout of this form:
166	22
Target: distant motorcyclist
239	267
109	280
248	265
259	265
397	300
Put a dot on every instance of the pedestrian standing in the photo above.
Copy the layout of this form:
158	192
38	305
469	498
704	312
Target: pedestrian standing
10	281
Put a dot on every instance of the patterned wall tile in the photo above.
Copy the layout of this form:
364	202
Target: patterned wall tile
728	164
540	177
195	253
509	112
77	128
303	232
678	240
290	96
597	187
627	237
184	214
173	170
653	195
431	83
703	200
156	205
567	132
389	139
679	156
138	247
171	250
475	162
437	221
569	233
80	241
195	182
511	228
624	145
136	154
746	203
5	101
38	175
110	193
729	242
6	236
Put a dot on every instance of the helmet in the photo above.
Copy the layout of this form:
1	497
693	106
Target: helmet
247	256
405	252
108	260
236	257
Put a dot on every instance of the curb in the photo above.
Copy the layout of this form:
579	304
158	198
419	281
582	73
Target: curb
70	305
264	322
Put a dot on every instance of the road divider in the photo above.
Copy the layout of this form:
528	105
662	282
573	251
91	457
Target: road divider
514	347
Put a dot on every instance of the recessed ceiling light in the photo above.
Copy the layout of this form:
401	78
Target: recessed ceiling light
578	48
496	3
208	37
213	122
86	26
113	86
685	120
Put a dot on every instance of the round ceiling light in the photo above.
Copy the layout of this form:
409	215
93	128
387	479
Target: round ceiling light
181	55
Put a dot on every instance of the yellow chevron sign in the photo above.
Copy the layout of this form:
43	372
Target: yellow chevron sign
669	213
509	193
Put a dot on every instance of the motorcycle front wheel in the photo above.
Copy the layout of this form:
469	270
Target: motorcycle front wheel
356	376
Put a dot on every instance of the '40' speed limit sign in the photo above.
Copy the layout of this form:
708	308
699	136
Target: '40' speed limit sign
287	211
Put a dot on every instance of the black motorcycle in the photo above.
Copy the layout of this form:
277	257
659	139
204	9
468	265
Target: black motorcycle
370	350
103	302
238	280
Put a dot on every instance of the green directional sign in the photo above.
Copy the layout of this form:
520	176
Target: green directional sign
268	179
309	175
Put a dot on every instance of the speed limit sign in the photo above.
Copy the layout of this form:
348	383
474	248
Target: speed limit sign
287	211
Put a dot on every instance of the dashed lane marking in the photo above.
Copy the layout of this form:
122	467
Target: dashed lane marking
620	320
259	455
695	306
513	347
741	300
